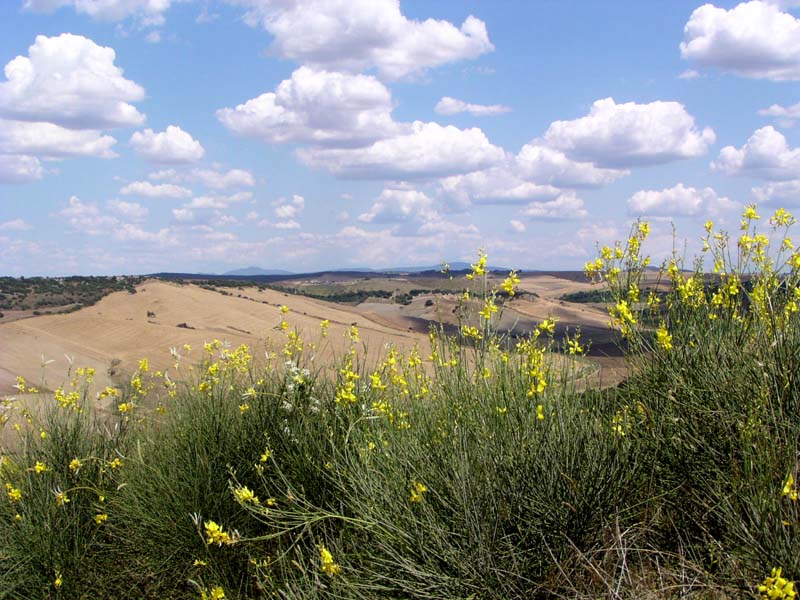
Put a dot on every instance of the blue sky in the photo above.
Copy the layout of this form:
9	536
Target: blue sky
207	135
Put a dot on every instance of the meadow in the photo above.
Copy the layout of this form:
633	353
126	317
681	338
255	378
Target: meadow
482	466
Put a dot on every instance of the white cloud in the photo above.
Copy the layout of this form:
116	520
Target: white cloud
220	180
148	12
566	206
544	165
625	135
765	155
218	202
183	215
52	141
395	206
85	217
783	193
517	226
753	39
319	107
211	178
133	211
134	233
678	201
149	190
496	185
355	35
290	224
786	116
291	209
153	37
171	146
19	169
15	225
429	150
689	74
452	106
70	81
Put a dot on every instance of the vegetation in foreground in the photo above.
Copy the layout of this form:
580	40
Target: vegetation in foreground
480	469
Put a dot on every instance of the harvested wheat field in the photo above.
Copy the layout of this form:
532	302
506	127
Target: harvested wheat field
114	334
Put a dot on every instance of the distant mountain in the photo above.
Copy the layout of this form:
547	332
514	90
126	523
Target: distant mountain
454	266
253	271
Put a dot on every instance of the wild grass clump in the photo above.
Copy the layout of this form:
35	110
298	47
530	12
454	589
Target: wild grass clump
481	467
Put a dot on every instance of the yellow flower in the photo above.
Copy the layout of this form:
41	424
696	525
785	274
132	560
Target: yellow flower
215	534
548	325
265	455
284	309
40	467
354	333
750	213
324	327
776	587
489	308
510	283
100	518
58	581
75	464
115	464
244	495
789	488
540	412
417	491
216	593
14	494
61	498
199	563
243	408
479	268
663	337
328	566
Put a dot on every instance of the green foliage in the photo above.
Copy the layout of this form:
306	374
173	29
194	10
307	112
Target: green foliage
487	470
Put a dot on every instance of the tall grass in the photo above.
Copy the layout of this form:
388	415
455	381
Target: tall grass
481	467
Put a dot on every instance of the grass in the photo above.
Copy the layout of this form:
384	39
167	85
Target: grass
479	469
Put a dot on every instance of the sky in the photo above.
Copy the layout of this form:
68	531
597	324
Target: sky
139	136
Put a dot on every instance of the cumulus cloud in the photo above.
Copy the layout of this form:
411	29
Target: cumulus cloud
395	206
545	165
47	140
133	211
784	193
316	106
147	12
566	206
291	209
452	106
428	150
171	146
149	190
220	180
215	178
765	155
625	135
356	35
19	169
786	116
678	201
86	217
70	81
290	224
183	215
496	185
15	225
754	39
517	226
